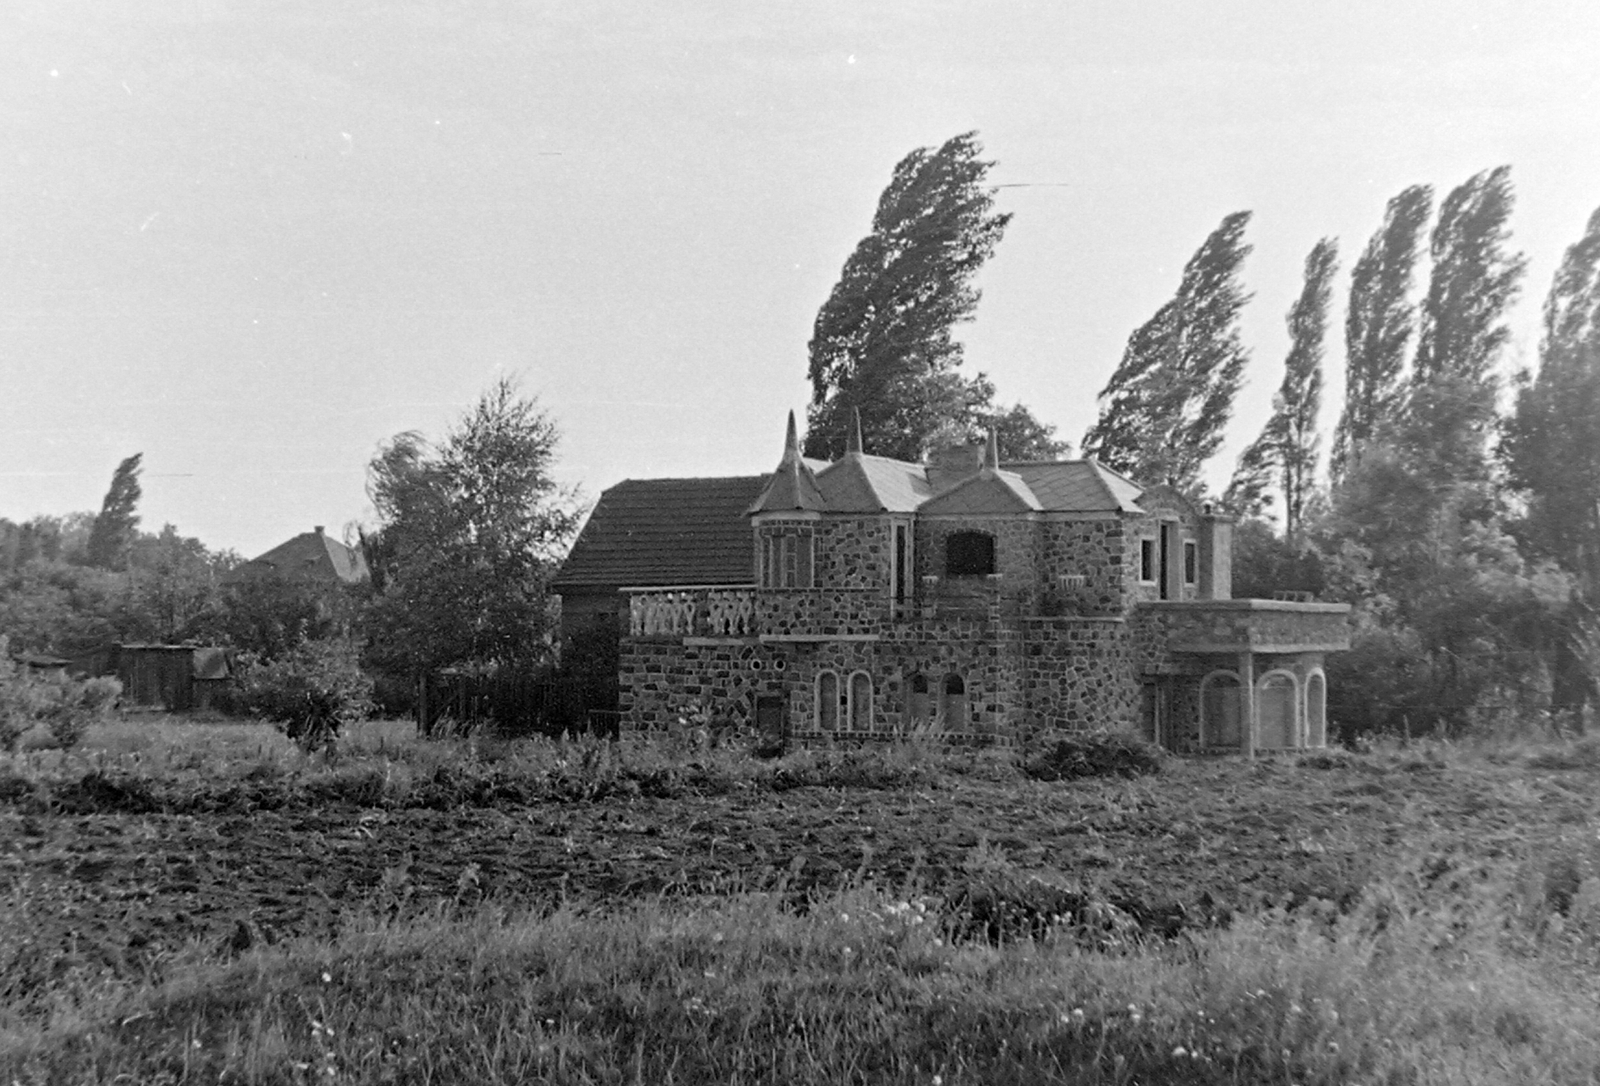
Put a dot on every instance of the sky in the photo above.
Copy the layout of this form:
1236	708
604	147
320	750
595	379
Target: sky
254	239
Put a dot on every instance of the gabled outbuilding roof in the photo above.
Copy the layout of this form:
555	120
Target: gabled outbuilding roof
310	556
665	532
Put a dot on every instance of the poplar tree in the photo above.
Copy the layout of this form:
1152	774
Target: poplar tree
114	528
1379	322
1474	280
1287	448
883	340
1551	441
1165	407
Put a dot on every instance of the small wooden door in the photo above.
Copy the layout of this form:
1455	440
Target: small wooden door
771	721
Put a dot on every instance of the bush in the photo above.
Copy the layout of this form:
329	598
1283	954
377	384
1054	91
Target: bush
66	706
311	691
1098	753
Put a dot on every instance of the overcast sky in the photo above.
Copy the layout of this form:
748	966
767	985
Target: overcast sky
254	238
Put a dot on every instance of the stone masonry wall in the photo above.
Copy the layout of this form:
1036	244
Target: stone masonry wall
1015	549
1080	672
1093	549
854	553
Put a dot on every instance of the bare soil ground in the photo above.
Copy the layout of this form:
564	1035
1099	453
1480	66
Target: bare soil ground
100	877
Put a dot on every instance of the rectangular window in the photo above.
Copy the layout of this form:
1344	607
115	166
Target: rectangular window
1147	560
1191	561
787	559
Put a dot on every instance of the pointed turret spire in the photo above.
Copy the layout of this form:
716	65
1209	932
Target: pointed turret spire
852	443
991	455
794	485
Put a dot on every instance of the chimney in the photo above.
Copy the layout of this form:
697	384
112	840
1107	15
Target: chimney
1216	554
318	529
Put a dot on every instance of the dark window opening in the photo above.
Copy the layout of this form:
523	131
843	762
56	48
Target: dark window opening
969	554
1147	560
1191	562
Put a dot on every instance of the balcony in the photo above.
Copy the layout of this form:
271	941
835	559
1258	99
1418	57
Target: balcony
739	612
724	611
1230	626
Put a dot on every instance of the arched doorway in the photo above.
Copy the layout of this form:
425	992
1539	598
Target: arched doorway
1220	710
955	703
1275	711
860	702
828	701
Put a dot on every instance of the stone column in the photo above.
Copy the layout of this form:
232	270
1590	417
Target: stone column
1247	702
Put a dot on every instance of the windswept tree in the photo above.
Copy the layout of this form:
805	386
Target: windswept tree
1163	412
1551	442
1551	448
469	533
114	528
1475	278
1379	322
883	340
1287	448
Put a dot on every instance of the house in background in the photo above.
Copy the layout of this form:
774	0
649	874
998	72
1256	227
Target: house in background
312	557
964	596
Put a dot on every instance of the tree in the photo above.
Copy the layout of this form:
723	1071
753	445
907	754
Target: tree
1474	280
1288	444
1551	448
469	534
883	342
114	527
1379	321
1164	409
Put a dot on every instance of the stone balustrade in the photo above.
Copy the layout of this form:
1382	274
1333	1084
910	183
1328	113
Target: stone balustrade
698	611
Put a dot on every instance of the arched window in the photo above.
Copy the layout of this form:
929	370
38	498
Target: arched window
1316	710
1220	717
861	702
969	554
827	701
1276	697
953	705
919	707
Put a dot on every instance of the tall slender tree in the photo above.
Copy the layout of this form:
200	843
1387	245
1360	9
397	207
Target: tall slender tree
1551	441
113	530
1475	278
883	340
1379	322
1164	409
1289	444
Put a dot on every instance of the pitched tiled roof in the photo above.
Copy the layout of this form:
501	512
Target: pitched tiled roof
309	556
665	532
873	484
1079	486
989	492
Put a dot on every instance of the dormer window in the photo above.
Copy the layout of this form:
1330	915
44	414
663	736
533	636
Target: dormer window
787	557
969	554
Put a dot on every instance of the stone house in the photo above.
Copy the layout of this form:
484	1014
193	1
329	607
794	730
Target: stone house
977	600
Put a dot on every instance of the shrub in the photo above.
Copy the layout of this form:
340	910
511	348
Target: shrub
1097	753
66	706
311	691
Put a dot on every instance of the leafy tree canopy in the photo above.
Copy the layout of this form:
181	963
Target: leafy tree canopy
119	517
469	533
883	342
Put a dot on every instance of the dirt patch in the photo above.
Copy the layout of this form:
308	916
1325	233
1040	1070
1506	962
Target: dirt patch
109	876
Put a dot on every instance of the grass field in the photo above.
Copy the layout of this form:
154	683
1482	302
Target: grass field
199	901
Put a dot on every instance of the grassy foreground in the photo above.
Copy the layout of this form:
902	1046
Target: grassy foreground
864	988
1480	970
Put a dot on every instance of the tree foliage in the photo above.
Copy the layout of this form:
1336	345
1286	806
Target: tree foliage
1474	280
119	517
883	342
1379	322
1289	444
469	534
1164	409
1551	441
